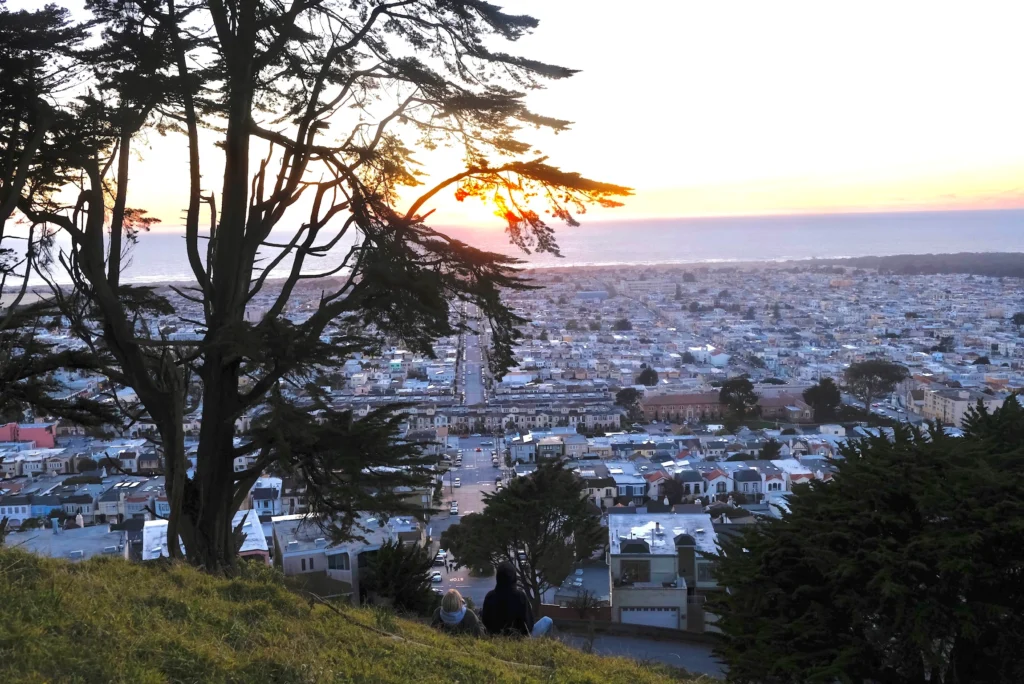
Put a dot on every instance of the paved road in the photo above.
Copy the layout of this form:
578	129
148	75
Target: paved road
472	380
476	477
695	658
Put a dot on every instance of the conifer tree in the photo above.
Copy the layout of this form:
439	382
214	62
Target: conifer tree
318	109
905	568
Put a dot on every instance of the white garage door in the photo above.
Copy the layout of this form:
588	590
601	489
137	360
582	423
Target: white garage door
655	617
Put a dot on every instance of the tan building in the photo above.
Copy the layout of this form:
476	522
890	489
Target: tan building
950	405
679	407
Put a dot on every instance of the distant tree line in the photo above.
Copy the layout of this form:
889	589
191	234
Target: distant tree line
993	264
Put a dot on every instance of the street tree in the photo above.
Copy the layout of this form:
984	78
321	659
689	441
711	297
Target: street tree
770	450
401	573
1018	319
739	398
868	380
622	324
869	579
544	516
648	376
629	399
86	464
824	397
317	110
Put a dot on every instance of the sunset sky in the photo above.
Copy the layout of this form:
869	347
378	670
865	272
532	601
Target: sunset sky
740	108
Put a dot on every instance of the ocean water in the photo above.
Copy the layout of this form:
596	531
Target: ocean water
160	256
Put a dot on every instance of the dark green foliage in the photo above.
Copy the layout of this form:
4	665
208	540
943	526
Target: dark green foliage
86	464
906	568
739	397
82	479
543	515
648	376
825	398
629	399
770	450
982	361
688	358
1018	318
622	324
868	380
349	465
401	573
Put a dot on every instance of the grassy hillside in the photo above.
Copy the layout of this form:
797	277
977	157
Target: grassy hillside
107	620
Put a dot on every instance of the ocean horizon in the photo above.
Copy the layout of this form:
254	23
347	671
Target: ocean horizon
159	256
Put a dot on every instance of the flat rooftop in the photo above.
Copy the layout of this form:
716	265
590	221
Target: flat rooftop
660	530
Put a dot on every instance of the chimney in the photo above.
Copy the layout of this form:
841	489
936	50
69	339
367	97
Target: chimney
657	528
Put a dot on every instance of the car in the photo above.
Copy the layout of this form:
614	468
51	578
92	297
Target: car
495	464
439	560
487	443
458	482
439	591
453	509
479	449
436	578
499	486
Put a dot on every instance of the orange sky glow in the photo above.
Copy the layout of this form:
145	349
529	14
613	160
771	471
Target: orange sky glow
746	108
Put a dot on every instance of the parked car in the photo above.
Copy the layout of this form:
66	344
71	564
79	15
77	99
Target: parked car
499	486
458	482
436	577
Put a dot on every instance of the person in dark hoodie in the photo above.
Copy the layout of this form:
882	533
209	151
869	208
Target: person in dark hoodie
507	610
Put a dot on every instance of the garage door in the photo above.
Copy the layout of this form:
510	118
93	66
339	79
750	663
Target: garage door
655	617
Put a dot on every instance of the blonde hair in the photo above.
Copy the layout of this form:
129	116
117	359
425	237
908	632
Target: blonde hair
452	601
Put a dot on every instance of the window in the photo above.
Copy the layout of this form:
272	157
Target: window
635	570
720	488
705	572
310	563
338	561
303	565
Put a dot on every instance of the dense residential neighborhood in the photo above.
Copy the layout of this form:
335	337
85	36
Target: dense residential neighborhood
624	375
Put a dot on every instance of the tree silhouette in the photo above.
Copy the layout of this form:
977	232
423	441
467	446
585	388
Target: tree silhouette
918	602
867	380
545	516
825	398
648	376
317	109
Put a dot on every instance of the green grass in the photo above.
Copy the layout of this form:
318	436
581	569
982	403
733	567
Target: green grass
107	620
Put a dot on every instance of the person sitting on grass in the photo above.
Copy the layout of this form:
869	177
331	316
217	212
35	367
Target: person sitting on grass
507	610
453	616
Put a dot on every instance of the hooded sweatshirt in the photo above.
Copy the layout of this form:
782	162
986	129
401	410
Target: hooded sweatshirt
506	609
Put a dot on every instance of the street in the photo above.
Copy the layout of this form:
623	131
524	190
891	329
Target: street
477	476
695	658
472	379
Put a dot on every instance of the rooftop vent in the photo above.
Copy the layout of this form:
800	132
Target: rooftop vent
109	549
292	545
76	554
699	530
320	542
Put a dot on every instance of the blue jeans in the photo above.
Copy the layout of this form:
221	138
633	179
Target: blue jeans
542	627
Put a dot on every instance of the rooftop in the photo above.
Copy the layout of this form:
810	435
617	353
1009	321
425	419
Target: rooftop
660	530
